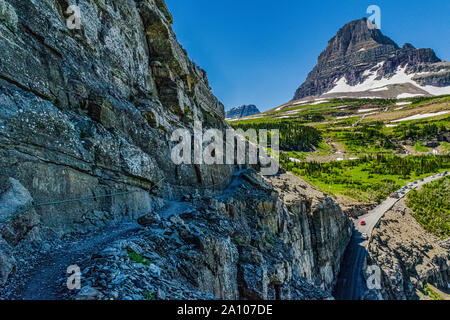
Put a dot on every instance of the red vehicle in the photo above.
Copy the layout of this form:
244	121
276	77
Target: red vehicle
363	223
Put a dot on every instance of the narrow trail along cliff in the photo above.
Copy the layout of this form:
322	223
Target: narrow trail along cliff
230	246
46	279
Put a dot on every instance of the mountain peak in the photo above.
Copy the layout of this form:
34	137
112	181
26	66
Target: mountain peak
408	46
355	37
242	111
357	54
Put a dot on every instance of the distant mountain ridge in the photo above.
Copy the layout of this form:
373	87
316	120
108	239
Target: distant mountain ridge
242	111
363	63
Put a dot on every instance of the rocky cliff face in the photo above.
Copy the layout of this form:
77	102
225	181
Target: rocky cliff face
89	112
408	256
242	111
86	118
362	62
260	239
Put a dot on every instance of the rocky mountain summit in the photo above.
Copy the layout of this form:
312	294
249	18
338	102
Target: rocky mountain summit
86	119
362	62
242	111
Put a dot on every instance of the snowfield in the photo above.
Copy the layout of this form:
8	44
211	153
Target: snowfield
344	117
403	103
318	102
409	95
373	84
367	110
380	89
421	116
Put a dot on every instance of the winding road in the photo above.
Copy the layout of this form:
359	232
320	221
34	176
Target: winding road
351	284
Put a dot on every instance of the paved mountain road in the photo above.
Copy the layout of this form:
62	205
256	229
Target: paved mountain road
351	284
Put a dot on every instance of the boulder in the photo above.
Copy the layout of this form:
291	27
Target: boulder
149	219
17	215
89	293
13	200
7	261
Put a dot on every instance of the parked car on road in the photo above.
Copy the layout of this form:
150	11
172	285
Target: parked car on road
395	195
365	236
363	223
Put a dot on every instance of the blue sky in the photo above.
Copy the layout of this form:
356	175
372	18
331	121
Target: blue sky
259	51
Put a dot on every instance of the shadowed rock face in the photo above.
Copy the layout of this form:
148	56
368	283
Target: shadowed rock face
242	111
356	50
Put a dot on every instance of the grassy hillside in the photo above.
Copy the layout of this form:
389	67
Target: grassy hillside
360	148
431	206
371	178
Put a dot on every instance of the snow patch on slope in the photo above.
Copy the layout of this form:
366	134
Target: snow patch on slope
380	89
374	84
409	95
367	110
421	116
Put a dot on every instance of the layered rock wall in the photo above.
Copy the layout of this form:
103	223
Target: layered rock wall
89	112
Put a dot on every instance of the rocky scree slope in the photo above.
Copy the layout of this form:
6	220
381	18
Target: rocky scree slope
409	257
362	62
86	115
274	238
